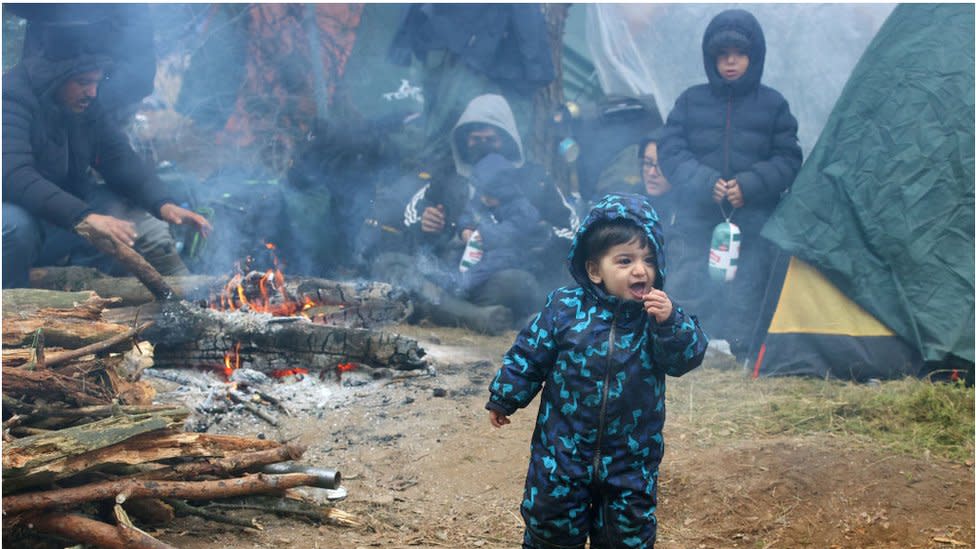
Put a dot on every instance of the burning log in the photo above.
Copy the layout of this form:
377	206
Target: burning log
353	304
133	489
203	338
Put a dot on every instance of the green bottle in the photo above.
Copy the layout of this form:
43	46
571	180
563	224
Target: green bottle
723	256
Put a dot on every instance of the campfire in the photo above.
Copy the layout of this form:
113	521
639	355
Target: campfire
147	460
258	292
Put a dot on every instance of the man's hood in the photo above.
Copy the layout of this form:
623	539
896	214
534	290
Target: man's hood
46	75
634	207
486	109
744	23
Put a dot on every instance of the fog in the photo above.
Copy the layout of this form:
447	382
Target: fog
810	51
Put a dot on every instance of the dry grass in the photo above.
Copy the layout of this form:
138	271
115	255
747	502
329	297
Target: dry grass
911	416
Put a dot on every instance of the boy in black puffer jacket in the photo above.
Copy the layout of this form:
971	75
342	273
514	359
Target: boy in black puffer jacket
730	150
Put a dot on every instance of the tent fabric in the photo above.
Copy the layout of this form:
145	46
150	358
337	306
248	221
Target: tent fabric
816	330
883	207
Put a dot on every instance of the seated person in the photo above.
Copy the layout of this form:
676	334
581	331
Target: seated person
505	225
54	135
431	223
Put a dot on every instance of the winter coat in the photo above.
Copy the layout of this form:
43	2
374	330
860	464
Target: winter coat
48	152
509	230
506	42
493	110
739	130
600	364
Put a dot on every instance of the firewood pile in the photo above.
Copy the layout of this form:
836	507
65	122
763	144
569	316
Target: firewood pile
87	456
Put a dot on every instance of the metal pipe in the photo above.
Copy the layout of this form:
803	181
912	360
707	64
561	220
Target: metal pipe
325	478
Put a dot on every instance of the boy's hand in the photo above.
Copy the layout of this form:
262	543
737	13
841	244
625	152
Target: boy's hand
658	304
734	193
497	420
719	191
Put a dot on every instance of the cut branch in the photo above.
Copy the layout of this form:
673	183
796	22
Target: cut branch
207	489
92	532
130	259
105	345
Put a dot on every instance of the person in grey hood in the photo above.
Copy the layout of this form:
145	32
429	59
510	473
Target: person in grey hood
54	136
730	151
485	130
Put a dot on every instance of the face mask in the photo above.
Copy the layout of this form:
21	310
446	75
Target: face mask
478	151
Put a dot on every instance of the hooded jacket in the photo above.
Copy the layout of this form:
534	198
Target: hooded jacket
600	363
739	130
493	110
48	152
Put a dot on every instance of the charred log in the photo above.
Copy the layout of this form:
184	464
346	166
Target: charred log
195	337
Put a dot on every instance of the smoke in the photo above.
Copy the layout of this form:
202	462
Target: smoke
810	51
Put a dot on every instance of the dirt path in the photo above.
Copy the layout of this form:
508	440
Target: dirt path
424	469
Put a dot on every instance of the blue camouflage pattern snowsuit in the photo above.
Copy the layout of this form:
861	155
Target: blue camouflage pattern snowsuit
600	363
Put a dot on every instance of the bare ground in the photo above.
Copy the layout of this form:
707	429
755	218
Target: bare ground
425	470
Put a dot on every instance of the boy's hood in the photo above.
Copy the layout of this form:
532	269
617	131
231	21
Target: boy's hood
634	207
486	109
746	24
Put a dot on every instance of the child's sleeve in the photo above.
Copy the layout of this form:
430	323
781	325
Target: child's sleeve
518	221
691	178
679	343
526	365
766	180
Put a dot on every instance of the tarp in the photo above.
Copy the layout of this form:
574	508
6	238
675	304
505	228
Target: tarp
883	207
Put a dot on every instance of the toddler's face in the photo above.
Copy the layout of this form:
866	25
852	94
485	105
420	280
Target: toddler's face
731	63
626	271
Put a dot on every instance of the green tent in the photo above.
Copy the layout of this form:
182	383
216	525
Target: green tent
883	207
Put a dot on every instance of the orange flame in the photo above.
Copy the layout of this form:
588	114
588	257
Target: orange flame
345	367
278	374
271	296
232	360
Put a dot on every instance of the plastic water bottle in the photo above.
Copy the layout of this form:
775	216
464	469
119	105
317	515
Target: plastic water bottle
723	256
472	252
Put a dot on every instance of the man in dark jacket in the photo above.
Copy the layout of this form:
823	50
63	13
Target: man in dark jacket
54	135
730	151
432	221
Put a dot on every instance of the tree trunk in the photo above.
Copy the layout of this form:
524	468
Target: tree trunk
548	99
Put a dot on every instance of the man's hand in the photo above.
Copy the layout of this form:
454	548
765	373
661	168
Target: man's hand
432	220
719	190
119	229
658	304
171	213
497	420
734	194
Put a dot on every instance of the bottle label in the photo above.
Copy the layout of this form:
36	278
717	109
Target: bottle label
723	256
472	252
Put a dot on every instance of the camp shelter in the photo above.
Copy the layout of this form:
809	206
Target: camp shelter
883	212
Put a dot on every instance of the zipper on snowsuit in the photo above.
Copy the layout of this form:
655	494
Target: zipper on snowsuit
603	402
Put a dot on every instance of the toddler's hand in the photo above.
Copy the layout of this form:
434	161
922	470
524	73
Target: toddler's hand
719	191
497	420
658	304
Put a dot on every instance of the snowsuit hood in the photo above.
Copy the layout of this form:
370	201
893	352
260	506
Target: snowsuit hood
488	109
634	207
742	23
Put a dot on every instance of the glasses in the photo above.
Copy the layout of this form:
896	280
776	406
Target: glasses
649	164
